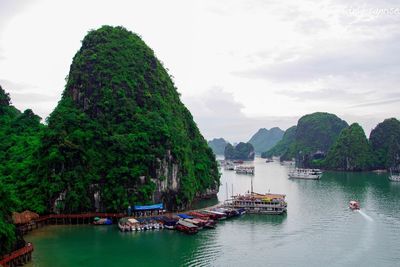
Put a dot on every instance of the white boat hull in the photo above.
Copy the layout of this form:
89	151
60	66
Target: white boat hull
316	177
394	178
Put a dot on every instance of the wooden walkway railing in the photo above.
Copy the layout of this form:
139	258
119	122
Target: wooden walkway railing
80	216
18	257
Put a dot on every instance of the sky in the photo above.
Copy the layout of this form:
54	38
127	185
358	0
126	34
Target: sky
238	65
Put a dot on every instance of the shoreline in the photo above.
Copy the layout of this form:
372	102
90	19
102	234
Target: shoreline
24	255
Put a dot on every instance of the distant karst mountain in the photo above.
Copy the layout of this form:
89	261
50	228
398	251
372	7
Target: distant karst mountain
265	139
283	145
242	151
218	145
314	135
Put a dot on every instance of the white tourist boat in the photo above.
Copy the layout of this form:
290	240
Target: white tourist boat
258	203
229	166
394	177
307	174
245	169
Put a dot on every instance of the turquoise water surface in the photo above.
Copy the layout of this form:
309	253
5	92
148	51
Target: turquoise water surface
318	229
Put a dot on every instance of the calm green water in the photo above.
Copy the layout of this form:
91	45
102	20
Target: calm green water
318	230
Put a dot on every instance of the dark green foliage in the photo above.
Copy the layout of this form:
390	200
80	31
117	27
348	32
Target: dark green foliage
120	115
314	135
8	204
218	145
318	131
264	139
283	145
19	136
385	142
242	151
351	151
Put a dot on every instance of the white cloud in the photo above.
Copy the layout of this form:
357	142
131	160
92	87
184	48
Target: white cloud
283	51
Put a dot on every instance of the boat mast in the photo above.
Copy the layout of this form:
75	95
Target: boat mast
227	191
251	184
232	190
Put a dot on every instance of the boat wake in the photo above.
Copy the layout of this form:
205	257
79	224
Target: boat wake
365	216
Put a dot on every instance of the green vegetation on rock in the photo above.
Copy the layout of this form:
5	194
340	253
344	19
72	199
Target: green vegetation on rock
351	151
19	139
264	139
242	151
218	145
313	136
119	130
8	203
385	142
119	136
283	145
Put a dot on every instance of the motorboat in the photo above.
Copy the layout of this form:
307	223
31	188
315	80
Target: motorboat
354	205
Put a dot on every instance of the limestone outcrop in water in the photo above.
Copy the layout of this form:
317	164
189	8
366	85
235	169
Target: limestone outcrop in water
218	145
351	151
385	142
242	151
313	136
121	132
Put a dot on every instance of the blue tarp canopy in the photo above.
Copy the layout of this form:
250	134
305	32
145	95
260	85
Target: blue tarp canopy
150	207
185	216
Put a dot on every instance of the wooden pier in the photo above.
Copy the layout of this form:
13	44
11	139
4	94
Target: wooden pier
18	257
82	218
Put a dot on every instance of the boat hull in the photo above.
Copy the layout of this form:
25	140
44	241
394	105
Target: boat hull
305	178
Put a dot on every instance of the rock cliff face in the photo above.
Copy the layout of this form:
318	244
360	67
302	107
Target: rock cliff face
120	132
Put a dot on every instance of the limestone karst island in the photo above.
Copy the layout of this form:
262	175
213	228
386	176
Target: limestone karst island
199	134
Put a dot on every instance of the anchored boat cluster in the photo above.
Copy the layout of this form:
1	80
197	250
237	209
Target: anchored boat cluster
189	223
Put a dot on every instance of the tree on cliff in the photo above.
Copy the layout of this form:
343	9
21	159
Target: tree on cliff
385	142
351	151
8	204
283	145
120	132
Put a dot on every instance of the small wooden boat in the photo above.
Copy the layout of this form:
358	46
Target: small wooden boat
354	205
186	227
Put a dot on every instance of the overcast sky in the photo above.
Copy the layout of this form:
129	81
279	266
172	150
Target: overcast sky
239	65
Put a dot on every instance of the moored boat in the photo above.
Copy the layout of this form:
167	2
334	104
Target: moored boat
169	222
102	221
216	215
245	170
307	174
258	203
394	177
186	227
